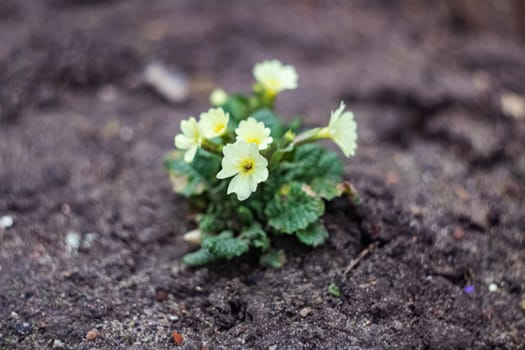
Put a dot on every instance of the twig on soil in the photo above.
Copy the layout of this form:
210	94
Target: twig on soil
364	253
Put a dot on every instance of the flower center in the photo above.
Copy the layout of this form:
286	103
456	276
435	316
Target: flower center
273	84
247	166
219	127
253	139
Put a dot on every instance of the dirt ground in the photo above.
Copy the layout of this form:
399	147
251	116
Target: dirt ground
437	88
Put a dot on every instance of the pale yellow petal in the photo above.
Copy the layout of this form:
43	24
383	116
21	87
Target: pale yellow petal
190	154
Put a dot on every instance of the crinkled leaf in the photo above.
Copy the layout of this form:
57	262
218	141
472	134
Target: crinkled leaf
257	237
312	161
193	178
210	222
314	235
273	258
316	166
271	121
325	188
244	214
199	258
293	211
225	245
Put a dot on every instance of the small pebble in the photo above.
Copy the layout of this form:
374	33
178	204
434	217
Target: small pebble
458	234
513	105
522	304
126	133
72	241
108	93
92	335
65	209
88	240
305	311
161	295
493	287
173	86
469	289
178	339
58	344
194	236
23	328
6	222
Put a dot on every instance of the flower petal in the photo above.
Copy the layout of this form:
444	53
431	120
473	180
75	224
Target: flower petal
228	169
190	154
240	185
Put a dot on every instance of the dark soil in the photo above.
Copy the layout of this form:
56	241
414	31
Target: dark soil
440	169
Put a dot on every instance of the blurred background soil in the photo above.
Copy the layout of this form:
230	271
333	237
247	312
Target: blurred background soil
93	259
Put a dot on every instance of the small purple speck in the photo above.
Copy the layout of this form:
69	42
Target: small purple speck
469	289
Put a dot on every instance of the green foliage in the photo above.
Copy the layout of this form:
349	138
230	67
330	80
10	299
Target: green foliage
315	234
257	237
199	257
225	246
273	258
334	290
302	174
238	106
194	178
210	222
293	211
319	168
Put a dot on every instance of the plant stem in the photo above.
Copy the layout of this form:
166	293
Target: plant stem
212	147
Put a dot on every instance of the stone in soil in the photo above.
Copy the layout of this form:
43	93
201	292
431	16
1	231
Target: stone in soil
24	328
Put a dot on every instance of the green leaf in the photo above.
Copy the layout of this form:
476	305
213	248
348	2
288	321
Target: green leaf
257	237
238	106
316	166
273	258
210	222
193	178
199	258
225	245
326	188
312	161
334	290
244	214
295	124
271	121
294	211
315	234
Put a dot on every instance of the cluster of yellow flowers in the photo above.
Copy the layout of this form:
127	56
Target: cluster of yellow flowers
213	123
242	159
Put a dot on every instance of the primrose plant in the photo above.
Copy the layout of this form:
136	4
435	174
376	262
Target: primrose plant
252	176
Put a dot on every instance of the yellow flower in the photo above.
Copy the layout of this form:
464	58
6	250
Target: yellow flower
342	129
218	97
243	161
214	122
275	77
252	131
190	139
